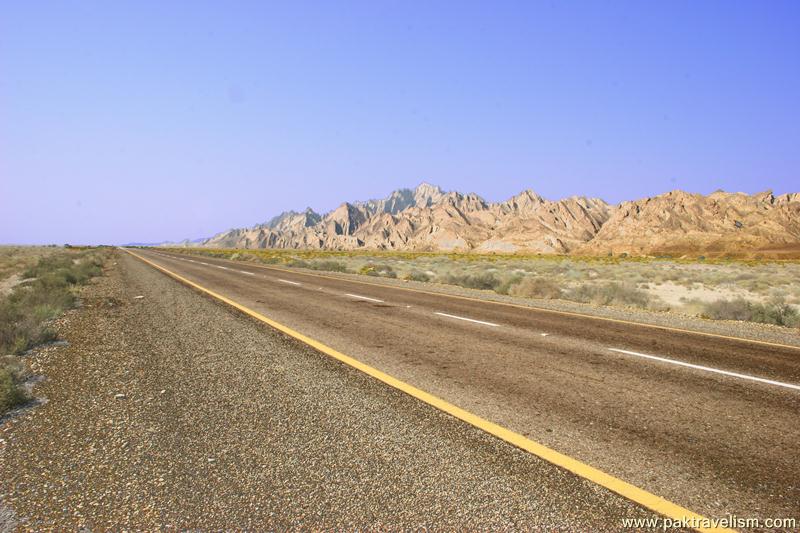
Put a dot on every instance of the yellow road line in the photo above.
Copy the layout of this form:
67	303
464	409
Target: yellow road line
527	307
631	492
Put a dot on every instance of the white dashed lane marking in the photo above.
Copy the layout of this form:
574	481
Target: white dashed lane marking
708	369
469	320
363	297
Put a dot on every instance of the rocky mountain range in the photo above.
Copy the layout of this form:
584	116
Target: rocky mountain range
718	224
429	219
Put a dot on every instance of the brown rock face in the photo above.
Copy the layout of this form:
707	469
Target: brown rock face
721	223
427	218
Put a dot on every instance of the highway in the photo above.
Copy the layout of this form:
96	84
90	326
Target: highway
707	422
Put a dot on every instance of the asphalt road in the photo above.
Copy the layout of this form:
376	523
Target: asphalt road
707	422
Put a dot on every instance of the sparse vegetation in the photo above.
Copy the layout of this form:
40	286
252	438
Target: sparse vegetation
46	291
535	287
298	263
416	275
381	270
330	266
776	311
15	259
623	294
484	281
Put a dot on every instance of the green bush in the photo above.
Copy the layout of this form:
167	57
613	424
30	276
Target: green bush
21	328
11	394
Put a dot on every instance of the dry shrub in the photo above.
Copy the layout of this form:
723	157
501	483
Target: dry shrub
328	266
776	311
26	312
416	275
380	270
611	294
483	281
11	394
531	287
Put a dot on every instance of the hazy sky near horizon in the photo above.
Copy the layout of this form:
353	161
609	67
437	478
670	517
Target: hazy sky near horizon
146	121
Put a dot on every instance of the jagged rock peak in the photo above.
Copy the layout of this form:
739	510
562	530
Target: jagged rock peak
428	218
426	195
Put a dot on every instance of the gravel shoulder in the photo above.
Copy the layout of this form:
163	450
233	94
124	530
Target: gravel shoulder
172	411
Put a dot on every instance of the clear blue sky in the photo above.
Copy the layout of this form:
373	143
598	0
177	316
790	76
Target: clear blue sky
145	121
